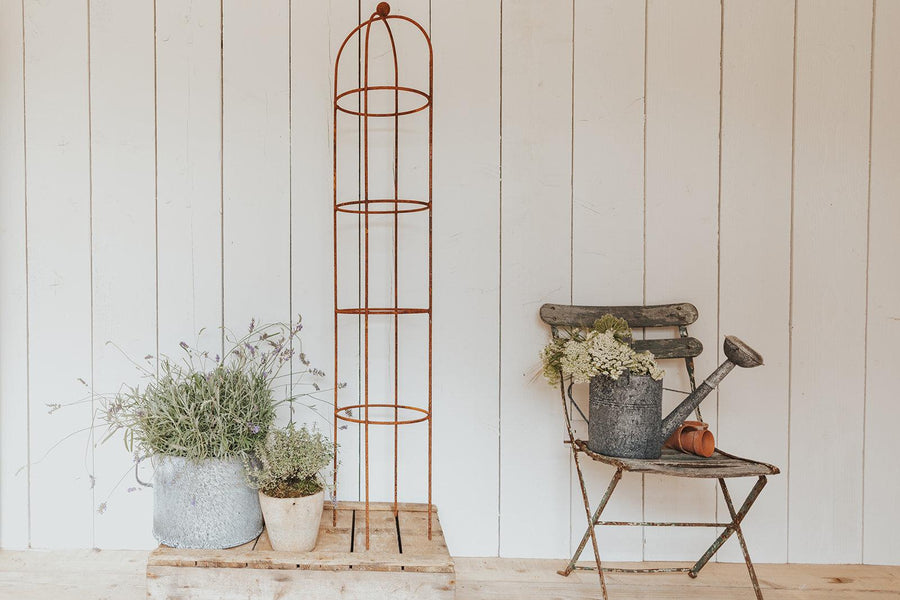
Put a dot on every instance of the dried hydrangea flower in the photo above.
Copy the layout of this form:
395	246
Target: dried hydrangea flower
601	351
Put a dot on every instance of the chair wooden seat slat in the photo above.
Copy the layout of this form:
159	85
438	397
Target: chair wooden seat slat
677	464
719	466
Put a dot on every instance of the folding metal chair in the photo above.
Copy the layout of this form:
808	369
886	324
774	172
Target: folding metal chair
720	465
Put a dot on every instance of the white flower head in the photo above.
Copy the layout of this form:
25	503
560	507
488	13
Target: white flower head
585	355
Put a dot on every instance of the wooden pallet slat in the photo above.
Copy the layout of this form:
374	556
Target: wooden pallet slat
414	534
383	535
333	537
400	560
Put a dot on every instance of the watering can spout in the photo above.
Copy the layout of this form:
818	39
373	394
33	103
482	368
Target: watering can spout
736	353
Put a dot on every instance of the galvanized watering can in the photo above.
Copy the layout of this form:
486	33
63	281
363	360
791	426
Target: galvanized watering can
626	414
203	504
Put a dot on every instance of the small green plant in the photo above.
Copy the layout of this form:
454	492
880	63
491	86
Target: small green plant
288	462
604	349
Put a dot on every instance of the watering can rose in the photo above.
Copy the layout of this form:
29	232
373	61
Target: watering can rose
601	350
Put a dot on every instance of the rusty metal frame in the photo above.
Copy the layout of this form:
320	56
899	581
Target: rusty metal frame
587	506
733	527
365	207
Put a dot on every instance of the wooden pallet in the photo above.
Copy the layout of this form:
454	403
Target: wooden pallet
401	563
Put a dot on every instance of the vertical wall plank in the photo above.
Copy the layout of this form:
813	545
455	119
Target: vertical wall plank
124	253
467	266
189	173
880	518
345	16
608	215
59	269
312	69
755	236
412	236
412	283
13	291
256	169
536	83
682	214
311	268
829	282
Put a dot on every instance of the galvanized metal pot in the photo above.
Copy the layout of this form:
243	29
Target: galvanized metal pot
203	504
625	416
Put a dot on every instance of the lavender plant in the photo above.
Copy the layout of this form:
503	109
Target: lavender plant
604	350
200	405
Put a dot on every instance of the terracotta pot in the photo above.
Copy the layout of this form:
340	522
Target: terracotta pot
292	523
693	437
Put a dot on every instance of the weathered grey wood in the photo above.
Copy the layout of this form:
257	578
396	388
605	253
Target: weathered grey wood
662	315
384	506
424	569
195	583
119	575
670	348
316	561
677	464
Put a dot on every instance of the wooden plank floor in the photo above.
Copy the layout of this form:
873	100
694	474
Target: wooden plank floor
119	575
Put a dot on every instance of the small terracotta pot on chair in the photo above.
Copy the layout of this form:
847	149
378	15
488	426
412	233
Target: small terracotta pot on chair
693	437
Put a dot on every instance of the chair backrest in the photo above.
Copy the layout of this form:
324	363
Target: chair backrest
662	315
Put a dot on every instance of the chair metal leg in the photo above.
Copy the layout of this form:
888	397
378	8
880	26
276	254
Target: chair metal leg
587	506
593	523
734	526
740	536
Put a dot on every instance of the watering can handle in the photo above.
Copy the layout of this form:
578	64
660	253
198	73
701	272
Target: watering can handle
137	477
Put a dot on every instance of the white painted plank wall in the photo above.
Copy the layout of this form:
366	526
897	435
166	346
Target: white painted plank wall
412	257
58	188
882	487
189	128
412	263
310	173
255	163
348	182
616	149
828	309
123	210
755	278
535	267
608	218
681	264
467	263
14	451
